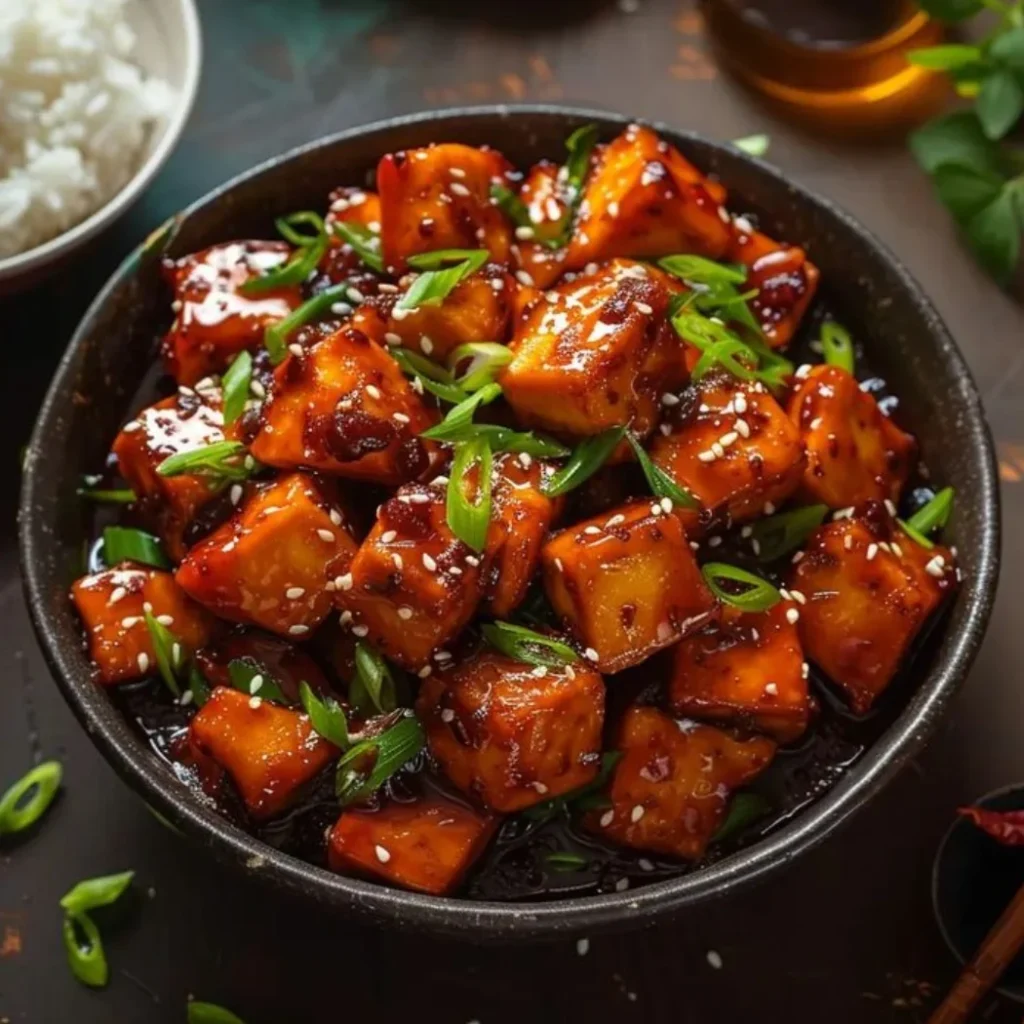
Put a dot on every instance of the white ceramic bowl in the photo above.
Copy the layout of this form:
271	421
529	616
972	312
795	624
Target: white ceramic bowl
170	47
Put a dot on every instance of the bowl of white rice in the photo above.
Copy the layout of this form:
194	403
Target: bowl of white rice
94	94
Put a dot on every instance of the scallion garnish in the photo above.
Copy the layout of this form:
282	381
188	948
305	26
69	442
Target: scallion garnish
248	677
434	285
198	685
469	520
391	750
277	334
28	799
125	544
502	439
563	861
932	516
222	460
696	270
660	483
714	289
210	1013
110	496
754	145
548	233
590	455
485	360
527	646
82	939
236	387
373	689
302	262
780	534
745	809
758	594
364	242
461	416
326	716
579	145
286	227
167	651
435	379
837	346
585	798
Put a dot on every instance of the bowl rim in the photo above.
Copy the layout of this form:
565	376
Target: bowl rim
492	920
36	257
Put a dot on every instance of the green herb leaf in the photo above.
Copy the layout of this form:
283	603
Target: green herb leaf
326	716
1008	48
168	652
932	516
124	544
503	439
964	190
590	455
287	226
198	685
438	258
698	270
945	58
373	690
435	379
951	10
837	346
1000	103
485	361
564	862
236	387
660	483
250	678
111	496
956	138
432	287
461	415
525	645
86	958
994	235
365	243
584	798
780	534
549	233
209	1013
364	768
276	336
758	596
745	809
754	145
580	145
469	520
96	892
223	460
30	797
302	262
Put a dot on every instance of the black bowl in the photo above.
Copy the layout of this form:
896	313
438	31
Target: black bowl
114	346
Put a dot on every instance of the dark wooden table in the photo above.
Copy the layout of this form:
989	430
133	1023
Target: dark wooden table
846	934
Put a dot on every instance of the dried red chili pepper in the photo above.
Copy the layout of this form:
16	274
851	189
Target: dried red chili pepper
1007	827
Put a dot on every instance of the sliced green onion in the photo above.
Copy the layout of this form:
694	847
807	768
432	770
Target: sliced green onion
563	861
236	387
225	460
286	227
435	379
660	483
525	645
469	520
391	750
486	358
579	146
302	262
780	534
198	685
373	689
210	1013
837	346
754	145
502	439
432	287
86	958
364	242
745	809
758	596
549	233
111	496
244	673
276	335
932	516
461	415
168	652
326	716
698	270
30	797
438	258
125	544
585	798
590	455
727	303
96	892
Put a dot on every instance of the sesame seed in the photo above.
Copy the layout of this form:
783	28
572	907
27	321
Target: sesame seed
426	345
718	450
637	813
382	855
130	621
447	715
742	428
147	607
656	509
472	560
388	536
325	535
772	689
295	349
769	508
456	172
755	545
454	570
558	564
393	339
890	507
614	521
805	670
354	294
727	439
186	698
792	616
540	671
713	542
740	403
236	493
343	582
428	562
255	702
590	654
373	391
707	456
666	504
802	372
896	549
843	513
643	307
405	612
419	499
255	683
398	563
117	594
345	618
798	596
613	209
458	189
400	417
669	399
714	959
360	630
785	594
797	557
143	661
294	593
341	308
607	818
442	655
524	278
165	620
622	885
582	946
591	530
848	542
936	567
423	673
298	629
525	232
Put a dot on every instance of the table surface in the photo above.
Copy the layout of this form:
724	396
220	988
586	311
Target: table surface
845	934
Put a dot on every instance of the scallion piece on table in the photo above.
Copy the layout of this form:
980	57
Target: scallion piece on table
753	145
932	516
364	242
326	716
433	286
358	777
86	957
125	544
780	534
277	334
236	387
756	595
373	689
27	800
210	1013
590	455
93	893
660	483
470	519
837	346
527	646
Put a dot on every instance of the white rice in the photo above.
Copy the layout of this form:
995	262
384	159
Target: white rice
75	114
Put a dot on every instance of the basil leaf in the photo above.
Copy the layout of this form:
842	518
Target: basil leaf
363	241
745	809
373	689
461	416
391	751
96	892
28	799
780	534
275	337
956	138
326	716
167	651
698	270
486	359
965	191
944	58
209	1013
758	596
124	544
111	496
525	645
932	516
236	387
1008	48
432	287
1000	103
837	346
225	460
247	676
469	520
590	455
994	235
754	145
660	483
84	947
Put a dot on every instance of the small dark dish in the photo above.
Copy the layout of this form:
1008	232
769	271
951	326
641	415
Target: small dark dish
909	346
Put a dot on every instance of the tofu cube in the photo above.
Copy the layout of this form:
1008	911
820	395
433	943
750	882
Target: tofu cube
215	319
345	408
626	583
869	589
597	353
271	752
854	452
427	845
270	564
670	791
538	265
510	736
747	669
112	605
349	205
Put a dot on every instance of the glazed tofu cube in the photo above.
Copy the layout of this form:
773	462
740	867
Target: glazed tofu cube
477	309
670	790
427	845
271	752
747	669
538	265
520	518
270	564
644	199
626	583
349	205
182	423
439	197
869	589
112	605
345	408
215	319
413	585
732	447
854	452
509	735
597	353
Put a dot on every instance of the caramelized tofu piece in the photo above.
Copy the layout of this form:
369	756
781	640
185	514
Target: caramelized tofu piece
184	422
270	564
732	447
269	751
439	197
413	585
747	668
427	845
869	589
215	319
645	200
538	265
627	584
670	790
854	452
597	353
348	206
345	408
509	735
477	309
112	605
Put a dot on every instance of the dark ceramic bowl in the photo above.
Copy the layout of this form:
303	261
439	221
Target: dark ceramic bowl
115	345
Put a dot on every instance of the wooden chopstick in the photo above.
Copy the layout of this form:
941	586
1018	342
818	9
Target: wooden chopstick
1000	946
